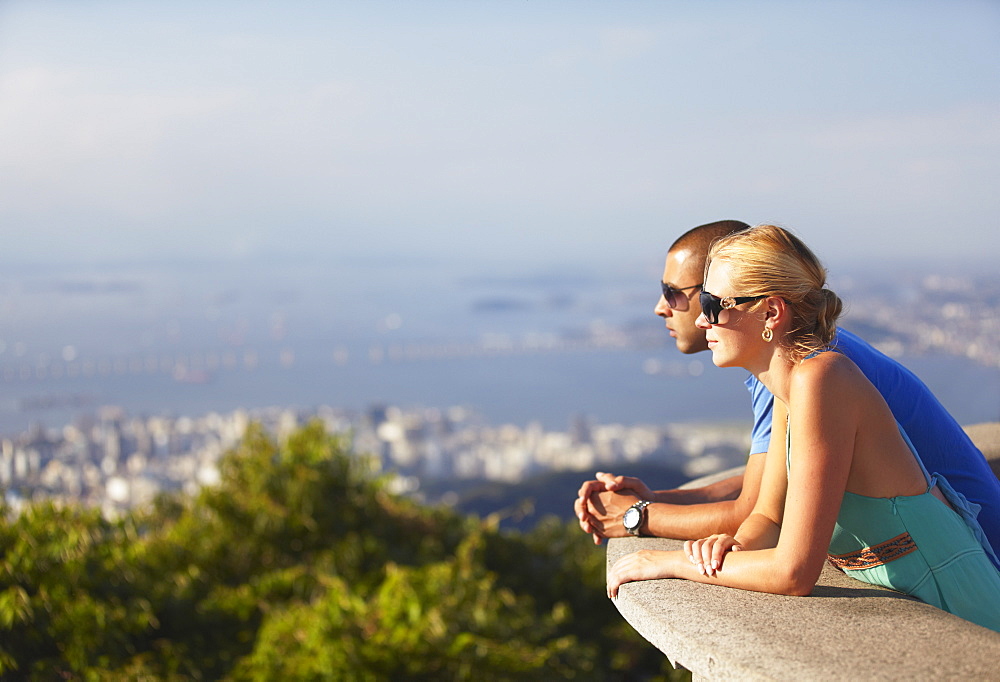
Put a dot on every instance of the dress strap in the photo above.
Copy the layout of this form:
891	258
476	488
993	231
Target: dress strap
788	447
969	511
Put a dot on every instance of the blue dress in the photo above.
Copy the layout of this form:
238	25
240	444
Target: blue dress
917	545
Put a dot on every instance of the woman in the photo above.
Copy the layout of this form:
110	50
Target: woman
845	483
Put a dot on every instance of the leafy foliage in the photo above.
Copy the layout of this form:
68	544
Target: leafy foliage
301	565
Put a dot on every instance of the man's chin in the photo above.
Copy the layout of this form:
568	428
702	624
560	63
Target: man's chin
691	348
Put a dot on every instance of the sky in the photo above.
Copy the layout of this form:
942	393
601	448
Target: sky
523	132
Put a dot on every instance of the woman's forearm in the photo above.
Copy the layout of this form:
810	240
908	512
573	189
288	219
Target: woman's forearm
758	532
759	571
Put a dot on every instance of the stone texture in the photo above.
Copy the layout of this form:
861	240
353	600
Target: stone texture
987	437
844	629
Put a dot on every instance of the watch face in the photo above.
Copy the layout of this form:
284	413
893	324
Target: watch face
631	518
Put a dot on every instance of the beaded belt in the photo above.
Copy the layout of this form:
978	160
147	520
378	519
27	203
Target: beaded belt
880	554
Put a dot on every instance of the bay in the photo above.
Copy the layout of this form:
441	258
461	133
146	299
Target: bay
514	347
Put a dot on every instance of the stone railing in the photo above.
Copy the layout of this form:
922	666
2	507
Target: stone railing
844	629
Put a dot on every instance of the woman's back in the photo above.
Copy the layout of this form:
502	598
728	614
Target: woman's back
851	407
896	527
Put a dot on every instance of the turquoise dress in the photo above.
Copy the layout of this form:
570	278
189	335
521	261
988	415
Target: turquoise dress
916	545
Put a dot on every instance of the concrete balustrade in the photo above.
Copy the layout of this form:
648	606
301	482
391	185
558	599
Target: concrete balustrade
844	629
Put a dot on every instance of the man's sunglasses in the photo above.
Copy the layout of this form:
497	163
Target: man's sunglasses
712	305
674	296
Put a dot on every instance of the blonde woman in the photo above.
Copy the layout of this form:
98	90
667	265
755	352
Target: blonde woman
845	485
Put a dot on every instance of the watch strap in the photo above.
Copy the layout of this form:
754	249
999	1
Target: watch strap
639	506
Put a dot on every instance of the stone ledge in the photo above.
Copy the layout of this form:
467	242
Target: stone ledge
987	438
844	629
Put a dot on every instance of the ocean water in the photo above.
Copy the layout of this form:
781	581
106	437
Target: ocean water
514	347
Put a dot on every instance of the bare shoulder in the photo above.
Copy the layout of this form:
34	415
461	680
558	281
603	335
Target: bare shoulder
827	374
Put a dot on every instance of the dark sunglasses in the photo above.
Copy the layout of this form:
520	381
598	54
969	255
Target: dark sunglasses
671	295
712	305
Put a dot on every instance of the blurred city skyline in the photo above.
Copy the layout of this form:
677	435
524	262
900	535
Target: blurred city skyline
516	135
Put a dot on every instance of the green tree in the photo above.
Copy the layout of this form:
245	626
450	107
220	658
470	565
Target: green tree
72	595
301	565
441	620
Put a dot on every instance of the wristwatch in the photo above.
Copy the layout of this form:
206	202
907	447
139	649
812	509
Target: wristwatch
634	516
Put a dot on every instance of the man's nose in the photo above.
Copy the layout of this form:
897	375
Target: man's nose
662	309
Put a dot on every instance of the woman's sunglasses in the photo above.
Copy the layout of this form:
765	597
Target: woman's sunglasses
676	298
712	305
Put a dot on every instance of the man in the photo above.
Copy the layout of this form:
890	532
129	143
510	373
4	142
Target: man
614	506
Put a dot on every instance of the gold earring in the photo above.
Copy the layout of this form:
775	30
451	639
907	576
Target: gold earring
767	334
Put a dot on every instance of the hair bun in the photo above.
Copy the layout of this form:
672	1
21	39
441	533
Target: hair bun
827	312
772	261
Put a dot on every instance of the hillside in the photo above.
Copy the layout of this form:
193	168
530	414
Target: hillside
523	505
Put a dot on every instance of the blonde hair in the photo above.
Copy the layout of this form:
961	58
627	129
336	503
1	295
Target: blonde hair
767	260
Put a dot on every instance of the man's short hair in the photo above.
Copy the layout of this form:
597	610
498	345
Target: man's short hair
699	239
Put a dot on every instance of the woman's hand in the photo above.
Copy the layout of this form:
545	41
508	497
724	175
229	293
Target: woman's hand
707	554
646	564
